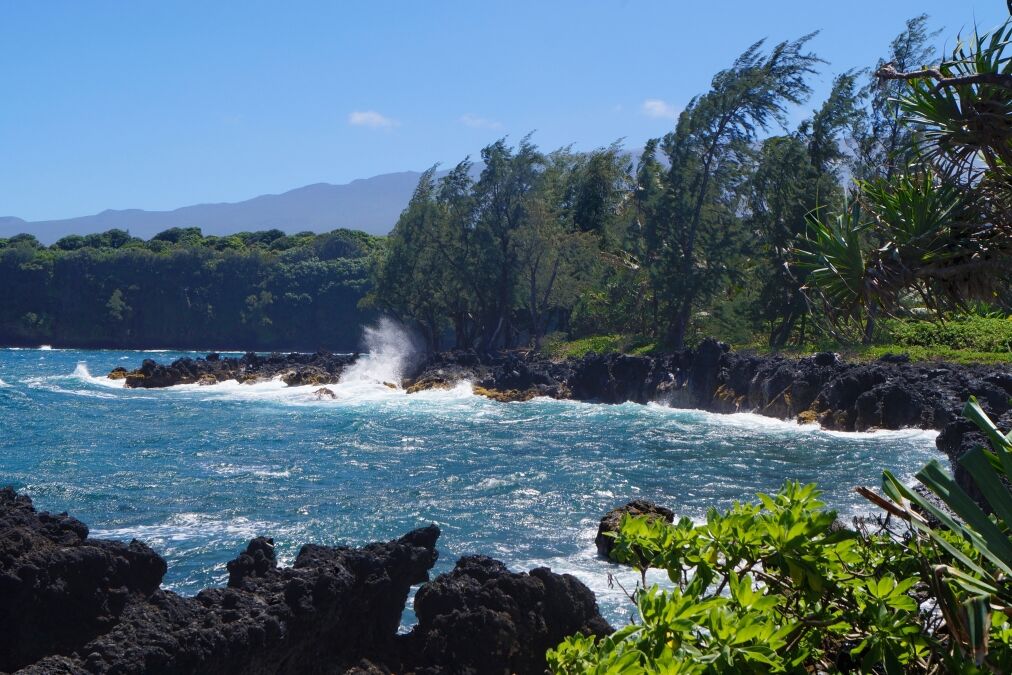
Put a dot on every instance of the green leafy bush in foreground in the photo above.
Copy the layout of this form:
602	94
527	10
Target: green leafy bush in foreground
779	586
768	587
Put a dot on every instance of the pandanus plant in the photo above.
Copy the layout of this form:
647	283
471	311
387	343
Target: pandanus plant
962	110
967	552
942	229
834	254
909	234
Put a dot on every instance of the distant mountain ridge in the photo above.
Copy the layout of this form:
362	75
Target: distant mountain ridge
369	204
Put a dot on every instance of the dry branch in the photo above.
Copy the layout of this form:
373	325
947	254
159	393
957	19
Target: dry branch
889	72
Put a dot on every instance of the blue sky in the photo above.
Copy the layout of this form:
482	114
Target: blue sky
160	105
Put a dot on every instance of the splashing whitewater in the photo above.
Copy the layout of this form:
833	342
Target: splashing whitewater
392	349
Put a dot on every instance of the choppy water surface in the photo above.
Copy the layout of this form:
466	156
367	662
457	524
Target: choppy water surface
197	471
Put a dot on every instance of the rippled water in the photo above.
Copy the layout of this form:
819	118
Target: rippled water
197	471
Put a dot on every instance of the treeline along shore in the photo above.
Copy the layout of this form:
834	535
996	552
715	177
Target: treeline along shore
253	290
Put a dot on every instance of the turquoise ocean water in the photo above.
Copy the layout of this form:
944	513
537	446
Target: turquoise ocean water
197	471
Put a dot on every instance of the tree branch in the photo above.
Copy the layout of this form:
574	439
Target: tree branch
889	72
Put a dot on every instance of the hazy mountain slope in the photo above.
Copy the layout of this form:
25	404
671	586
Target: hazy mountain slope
370	204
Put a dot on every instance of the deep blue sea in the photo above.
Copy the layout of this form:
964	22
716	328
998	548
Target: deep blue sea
197	471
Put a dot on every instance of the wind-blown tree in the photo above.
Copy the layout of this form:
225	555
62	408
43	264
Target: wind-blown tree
693	226
505	256
794	175
462	278
502	198
410	278
883	142
600	186
569	217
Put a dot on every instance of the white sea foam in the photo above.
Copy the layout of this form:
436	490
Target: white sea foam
45	348
459	392
186	526
747	420
51	384
3	384
82	373
260	470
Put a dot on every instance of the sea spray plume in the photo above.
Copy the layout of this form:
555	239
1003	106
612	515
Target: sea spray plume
390	350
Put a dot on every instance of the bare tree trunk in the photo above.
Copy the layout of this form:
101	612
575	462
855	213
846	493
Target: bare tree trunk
679	326
869	326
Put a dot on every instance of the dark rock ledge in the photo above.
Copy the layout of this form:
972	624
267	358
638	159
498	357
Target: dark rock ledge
73	604
891	393
295	369
887	394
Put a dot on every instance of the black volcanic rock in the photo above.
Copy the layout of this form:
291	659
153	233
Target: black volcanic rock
71	604
58	588
483	619
294	369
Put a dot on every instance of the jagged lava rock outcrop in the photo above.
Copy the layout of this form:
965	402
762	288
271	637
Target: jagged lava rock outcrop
295	369
73	604
58	588
482	618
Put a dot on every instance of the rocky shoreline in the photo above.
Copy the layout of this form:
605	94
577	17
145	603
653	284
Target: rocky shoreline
890	393
70	603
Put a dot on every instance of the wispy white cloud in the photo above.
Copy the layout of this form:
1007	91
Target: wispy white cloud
655	107
371	119
476	122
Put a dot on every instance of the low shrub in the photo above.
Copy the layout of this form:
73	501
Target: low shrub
557	347
971	333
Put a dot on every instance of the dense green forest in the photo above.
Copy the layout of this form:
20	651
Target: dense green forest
869	211
252	290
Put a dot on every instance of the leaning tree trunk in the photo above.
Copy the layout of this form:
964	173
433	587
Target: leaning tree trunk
869	326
